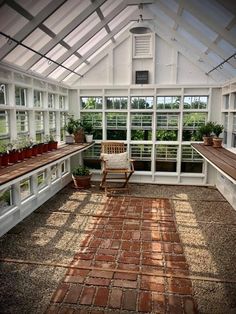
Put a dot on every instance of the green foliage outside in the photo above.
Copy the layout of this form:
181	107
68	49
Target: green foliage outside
167	135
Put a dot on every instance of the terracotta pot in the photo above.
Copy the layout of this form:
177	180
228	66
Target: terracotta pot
54	145
217	142
35	150
45	147
207	140
13	156
79	136
82	182
28	152
40	148
5	160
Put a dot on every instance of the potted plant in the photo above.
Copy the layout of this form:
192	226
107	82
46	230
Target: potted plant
88	130
70	128
217	130
78	131
205	132
52	143
81	176
4	157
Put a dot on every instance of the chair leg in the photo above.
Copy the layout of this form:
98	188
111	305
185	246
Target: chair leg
102	185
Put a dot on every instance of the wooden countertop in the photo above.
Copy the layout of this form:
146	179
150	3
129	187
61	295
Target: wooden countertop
16	170
220	158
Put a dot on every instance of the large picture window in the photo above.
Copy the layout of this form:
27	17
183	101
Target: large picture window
141	102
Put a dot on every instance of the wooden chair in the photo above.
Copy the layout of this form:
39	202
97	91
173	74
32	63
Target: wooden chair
115	166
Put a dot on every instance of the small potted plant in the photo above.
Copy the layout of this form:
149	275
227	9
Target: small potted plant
205	131
4	157
78	131
70	128
81	176
52	143
217	130
88	130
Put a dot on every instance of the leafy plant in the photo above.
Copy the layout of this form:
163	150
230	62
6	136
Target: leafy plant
3	148
206	130
88	127
81	171
217	129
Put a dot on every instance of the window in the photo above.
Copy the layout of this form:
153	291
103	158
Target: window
191	122
4	124
142	155
38	98
168	102
25	189
3	94
51	100
41	180
116	124
5	200
91	157
191	161
167	127
39	126
141	102
116	103
226	116
91	103
52	121
226	101
195	102
141	126
64	167
20	96
141	77
62	102
95	119
166	158
54	173
22	122
62	126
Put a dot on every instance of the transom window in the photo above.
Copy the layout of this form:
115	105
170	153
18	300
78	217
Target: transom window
2	94
195	102
116	102
51	100
91	103
20	96
38	98
22	121
141	102
168	102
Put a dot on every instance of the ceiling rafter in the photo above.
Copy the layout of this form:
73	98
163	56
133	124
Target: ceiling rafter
107	28
31	25
87	37
210	22
64	32
179	12
198	35
116	30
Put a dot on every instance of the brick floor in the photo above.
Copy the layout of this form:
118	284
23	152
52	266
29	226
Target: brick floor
130	260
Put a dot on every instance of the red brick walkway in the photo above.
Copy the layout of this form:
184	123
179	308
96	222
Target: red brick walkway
130	261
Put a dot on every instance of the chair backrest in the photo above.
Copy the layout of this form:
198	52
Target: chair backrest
109	147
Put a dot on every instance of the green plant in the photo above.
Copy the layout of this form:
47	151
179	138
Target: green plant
206	130
81	171
3	148
217	129
73	125
88	127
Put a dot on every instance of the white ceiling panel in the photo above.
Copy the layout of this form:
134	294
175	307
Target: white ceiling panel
37	39
93	41
33	7
122	16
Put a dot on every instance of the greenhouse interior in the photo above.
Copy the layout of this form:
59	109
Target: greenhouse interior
157	77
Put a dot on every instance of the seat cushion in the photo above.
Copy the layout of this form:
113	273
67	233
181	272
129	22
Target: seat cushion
116	161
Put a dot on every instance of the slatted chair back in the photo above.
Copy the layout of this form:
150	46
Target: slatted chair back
112	147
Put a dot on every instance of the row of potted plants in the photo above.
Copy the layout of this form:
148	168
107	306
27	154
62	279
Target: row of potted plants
210	133
24	148
78	130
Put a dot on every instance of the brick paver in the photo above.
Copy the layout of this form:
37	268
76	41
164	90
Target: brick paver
130	260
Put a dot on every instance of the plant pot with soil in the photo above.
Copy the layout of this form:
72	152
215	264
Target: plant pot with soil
217	130
81	177
205	131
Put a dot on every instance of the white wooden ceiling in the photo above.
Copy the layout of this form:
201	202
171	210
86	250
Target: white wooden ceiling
74	32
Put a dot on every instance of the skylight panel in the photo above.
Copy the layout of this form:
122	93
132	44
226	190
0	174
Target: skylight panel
122	16
70	61
108	7
19	55
156	9
202	28
93	41
82	29
99	50
215	58
229	49
71	78
56	73
65	14
11	22
34	7
41	65
80	67
171	4
191	40
56	52
37	39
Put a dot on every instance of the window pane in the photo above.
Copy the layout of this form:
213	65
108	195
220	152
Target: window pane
2	94
166	158
91	102
20	96
116	102
141	102
4	123
195	102
168	102
22	121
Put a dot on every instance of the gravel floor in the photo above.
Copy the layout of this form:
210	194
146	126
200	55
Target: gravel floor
206	224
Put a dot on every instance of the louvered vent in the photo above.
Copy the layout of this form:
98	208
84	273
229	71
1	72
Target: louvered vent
142	46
